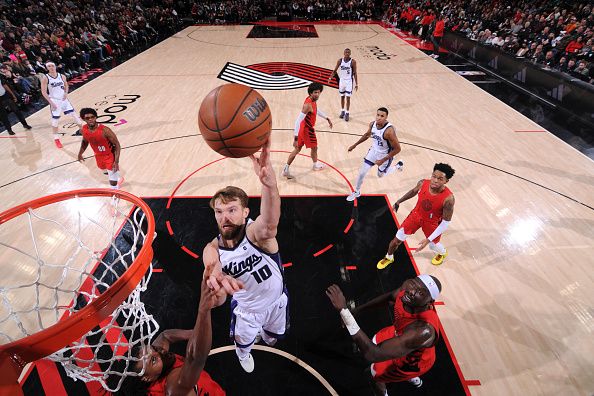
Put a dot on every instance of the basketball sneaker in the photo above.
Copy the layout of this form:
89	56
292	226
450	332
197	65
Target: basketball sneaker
346	117
341	114
247	364
438	259
399	166
383	263
58	143
318	166
77	133
353	195
417	382
285	173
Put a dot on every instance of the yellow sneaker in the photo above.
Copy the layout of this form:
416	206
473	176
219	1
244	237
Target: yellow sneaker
383	263
438	259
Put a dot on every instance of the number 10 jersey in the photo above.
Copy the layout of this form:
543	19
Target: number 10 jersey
260	272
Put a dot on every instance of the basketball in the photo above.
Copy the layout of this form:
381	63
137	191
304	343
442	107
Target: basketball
234	120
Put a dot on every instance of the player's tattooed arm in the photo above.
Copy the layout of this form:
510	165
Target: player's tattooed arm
448	208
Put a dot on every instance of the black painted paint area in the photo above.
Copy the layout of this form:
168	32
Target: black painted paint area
292	31
307	225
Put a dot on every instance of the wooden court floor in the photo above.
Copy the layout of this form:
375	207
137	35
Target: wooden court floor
518	283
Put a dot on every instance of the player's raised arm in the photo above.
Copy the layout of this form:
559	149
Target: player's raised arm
265	226
199	344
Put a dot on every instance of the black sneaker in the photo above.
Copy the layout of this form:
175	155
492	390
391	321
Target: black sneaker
341	114
346	116
27	126
77	133
10	132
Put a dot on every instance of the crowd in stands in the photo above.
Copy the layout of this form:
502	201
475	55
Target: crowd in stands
79	35
245	11
556	34
76	36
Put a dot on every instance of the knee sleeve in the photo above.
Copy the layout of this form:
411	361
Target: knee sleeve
401	235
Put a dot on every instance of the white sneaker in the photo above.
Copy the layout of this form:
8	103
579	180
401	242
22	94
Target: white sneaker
354	194
318	166
286	174
417	382
248	363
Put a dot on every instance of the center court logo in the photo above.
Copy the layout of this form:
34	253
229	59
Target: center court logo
276	75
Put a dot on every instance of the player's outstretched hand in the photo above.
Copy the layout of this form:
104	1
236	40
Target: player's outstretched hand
422	245
208	297
336	297
222	286
263	166
80	158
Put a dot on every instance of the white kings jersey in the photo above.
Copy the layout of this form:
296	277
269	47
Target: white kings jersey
380	144
260	272
345	70
55	86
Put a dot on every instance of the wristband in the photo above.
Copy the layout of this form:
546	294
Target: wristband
349	321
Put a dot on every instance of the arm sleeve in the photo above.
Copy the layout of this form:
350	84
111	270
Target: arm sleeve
439	230
322	114
298	123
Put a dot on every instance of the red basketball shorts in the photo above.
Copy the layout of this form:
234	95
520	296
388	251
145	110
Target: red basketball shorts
307	137
414	221
105	161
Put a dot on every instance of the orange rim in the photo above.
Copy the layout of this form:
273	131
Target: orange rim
15	355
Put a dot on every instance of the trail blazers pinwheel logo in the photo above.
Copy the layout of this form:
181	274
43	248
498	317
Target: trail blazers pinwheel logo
277	75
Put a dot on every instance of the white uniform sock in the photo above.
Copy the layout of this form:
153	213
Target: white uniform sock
362	173
437	247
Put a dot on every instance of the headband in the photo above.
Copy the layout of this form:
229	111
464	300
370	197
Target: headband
430	284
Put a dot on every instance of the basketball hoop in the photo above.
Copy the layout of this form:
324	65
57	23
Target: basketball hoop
80	273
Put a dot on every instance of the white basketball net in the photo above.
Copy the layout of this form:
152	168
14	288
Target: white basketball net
93	251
